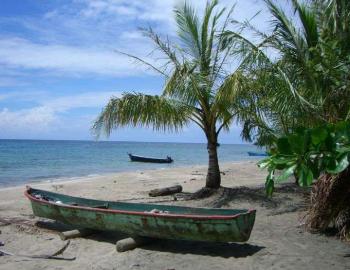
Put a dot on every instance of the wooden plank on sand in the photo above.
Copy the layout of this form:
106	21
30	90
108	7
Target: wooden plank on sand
131	243
75	233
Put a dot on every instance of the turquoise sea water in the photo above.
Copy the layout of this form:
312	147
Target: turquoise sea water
23	161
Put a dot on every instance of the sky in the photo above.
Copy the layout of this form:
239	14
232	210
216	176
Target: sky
59	64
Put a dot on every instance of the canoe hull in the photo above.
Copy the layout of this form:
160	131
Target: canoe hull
236	229
150	160
254	154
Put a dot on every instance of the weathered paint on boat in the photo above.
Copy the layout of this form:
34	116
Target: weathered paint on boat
185	223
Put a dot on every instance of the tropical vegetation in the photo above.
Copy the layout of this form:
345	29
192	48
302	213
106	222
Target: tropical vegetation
299	73
299	84
321	153
198	86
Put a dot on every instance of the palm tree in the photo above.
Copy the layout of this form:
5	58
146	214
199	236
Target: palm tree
197	89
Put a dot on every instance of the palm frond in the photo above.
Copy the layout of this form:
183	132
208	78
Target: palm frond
289	39
179	86
227	94
138	59
207	35
135	109
309	23
188	28
163	46
219	59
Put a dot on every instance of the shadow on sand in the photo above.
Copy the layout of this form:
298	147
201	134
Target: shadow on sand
51	225
225	250
287	197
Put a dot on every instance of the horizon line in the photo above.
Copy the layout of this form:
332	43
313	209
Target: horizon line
86	140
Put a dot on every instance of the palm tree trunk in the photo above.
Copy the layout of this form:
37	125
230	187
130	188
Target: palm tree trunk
213	176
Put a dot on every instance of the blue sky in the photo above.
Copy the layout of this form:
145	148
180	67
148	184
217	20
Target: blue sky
59	66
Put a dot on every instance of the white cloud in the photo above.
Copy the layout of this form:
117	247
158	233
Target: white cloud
131	35
96	8
82	45
155	10
47	115
34	119
21	53
3	96
161	11
86	100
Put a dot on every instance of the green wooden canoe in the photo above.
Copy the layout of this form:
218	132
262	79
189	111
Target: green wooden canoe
148	220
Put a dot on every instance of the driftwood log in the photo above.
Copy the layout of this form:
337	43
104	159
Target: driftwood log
165	191
75	233
132	243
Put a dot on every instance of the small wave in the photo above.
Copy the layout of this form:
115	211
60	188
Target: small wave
93	175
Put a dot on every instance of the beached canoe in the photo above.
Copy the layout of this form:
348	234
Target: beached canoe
256	154
148	220
150	159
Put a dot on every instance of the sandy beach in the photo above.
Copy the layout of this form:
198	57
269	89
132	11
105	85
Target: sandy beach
278	240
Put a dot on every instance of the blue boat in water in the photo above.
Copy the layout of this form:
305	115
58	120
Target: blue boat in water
150	159
256	154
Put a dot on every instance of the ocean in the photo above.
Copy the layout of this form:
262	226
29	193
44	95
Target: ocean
25	161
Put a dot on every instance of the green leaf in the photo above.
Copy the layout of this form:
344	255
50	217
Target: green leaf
341	165
269	187
282	160
286	173
305	176
343	149
297	143
330	162
283	146
315	168
270	184
264	163
300	130
318	135
309	177
342	126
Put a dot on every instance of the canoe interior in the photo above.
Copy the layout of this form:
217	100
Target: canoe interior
134	207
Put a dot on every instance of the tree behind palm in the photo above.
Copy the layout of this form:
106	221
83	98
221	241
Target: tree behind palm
197	87
306	83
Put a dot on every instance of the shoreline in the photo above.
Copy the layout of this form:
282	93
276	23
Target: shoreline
89	177
47	161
